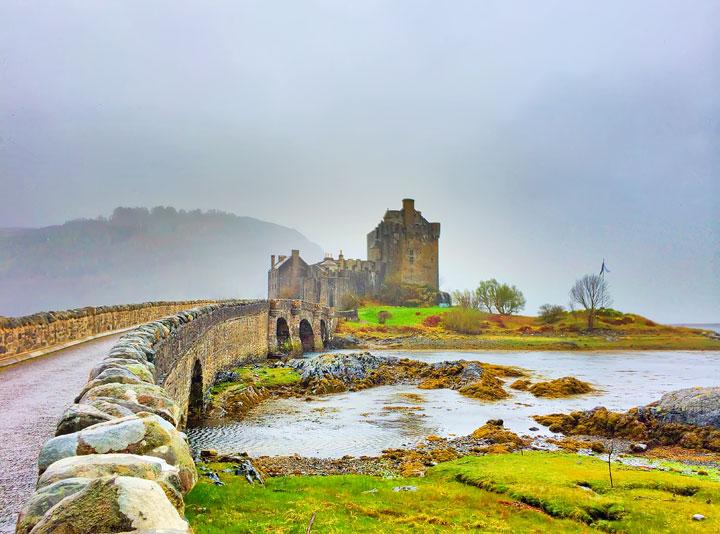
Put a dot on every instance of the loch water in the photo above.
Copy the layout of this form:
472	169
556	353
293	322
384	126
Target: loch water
366	422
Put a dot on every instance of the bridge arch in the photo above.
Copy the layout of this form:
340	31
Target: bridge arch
324	333
197	393
307	336
282	334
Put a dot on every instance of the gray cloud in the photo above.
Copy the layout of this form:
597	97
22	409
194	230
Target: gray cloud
543	135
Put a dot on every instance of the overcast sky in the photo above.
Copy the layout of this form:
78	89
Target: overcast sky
544	136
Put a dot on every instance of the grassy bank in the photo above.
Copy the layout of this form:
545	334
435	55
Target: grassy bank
406	328
400	316
534	493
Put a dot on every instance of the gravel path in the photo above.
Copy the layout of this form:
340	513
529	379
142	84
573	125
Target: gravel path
33	395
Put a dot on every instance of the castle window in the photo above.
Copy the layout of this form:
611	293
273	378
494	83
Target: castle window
411	257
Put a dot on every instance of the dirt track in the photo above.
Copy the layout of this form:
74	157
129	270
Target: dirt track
33	395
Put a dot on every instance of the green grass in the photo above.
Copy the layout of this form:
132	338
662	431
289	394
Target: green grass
400	316
260	376
465	495
511	332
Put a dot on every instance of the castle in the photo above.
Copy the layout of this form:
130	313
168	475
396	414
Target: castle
403	248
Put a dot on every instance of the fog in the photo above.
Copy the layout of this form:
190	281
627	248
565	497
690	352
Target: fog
544	136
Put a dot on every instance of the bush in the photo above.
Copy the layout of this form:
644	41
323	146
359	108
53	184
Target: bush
464	320
497	319
608	312
550	313
383	316
350	301
432	321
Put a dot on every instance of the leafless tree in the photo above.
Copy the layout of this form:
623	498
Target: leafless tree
591	292
465	299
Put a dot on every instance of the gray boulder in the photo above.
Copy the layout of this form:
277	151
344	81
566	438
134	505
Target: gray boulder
113	504
344	367
143	370
79	416
94	466
145	434
691	406
146	397
115	375
43	500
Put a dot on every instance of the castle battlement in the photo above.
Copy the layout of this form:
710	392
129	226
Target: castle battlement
402	248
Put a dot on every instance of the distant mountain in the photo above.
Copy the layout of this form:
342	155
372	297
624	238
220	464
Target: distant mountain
138	255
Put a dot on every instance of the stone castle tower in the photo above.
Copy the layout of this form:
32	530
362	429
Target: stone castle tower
402	249
408	244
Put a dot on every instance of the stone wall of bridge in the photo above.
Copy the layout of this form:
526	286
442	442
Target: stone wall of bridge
121	446
20	337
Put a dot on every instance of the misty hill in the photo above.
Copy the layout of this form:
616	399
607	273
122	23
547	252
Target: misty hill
138	255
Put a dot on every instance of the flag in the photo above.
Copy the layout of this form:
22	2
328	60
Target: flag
604	269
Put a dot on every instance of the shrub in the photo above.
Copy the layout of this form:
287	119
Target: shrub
464	320
608	312
383	316
432	321
550	313
350	301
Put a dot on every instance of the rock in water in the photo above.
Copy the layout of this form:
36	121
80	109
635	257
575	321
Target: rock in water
347	368
691	406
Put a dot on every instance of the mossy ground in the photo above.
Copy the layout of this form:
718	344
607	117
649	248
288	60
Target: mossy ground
517	332
532	493
261	377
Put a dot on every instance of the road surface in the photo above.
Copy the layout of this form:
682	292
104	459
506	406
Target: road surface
33	395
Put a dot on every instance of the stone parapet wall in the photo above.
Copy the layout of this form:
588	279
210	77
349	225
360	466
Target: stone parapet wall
23	335
119	461
120	448
227	337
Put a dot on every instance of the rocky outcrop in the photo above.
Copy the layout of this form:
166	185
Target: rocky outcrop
347	368
691	406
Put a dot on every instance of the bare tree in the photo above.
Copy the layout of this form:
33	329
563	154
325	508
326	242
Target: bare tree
465	299
591	292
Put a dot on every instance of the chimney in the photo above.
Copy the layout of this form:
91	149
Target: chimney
272	261
409	211
295	253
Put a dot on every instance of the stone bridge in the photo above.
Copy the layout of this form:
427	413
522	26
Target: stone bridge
137	401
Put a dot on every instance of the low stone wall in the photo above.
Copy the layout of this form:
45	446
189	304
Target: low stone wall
20	336
119	461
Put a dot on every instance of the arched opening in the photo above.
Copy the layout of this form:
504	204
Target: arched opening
324	334
282	332
195	401
307	337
